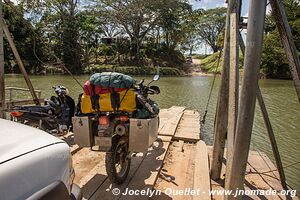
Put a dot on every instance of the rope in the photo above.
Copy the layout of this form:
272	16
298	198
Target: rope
34	48
212	87
266	172
70	73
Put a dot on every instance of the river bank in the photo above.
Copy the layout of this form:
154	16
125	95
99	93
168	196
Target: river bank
130	70
209	64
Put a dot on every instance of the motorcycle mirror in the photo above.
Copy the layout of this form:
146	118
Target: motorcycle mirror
156	77
155	88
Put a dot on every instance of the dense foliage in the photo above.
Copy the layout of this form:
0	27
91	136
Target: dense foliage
274	61
83	34
27	40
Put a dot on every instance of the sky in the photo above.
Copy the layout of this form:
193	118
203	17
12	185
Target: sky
207	4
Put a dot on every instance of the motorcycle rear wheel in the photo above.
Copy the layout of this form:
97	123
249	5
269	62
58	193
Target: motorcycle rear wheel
117	161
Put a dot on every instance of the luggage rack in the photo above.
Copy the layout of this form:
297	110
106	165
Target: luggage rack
101	113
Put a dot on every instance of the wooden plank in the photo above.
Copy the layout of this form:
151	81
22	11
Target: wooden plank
147	173
93	179
188	136
194	129
201	175
84	161
255	178
168	127
164	115
22	102
178	171
258	163
186	131
104	191
165	138
90	174
189	121
21	89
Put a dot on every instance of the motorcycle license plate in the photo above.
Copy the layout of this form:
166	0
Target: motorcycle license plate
104	143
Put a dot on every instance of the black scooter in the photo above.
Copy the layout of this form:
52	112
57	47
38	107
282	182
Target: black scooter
54	117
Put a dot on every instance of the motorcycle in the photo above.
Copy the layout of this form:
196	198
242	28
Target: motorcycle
118	158
115	128
54	117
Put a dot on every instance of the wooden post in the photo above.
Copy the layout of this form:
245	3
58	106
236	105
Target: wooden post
221	117
20	63
269	128
233	84
287	41
244	127
2	86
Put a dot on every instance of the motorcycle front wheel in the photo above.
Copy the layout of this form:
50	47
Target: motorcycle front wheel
117	161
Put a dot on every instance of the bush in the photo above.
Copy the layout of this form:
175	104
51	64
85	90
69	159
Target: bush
133	70
209	63
274	62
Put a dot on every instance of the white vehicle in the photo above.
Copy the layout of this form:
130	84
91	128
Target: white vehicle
34	165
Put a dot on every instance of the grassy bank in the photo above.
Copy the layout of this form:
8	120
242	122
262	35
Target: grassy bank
209	63
133	70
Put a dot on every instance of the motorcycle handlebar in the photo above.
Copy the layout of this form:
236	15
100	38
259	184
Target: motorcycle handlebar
148	90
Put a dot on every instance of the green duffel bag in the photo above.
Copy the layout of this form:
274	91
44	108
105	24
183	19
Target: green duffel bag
112	80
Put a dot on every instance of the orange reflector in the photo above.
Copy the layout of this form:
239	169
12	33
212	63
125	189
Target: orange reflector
124	118
16	114
104	120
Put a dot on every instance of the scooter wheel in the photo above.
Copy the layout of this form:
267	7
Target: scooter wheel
117	161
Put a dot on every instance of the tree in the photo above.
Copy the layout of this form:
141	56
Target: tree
139	17
172	16
68	27
27	39
191	40
90	35
136	17
274	61
210	24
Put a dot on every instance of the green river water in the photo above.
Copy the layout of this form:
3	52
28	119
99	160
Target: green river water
192	92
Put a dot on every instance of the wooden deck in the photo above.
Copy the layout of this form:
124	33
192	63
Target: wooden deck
261	174
178	160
